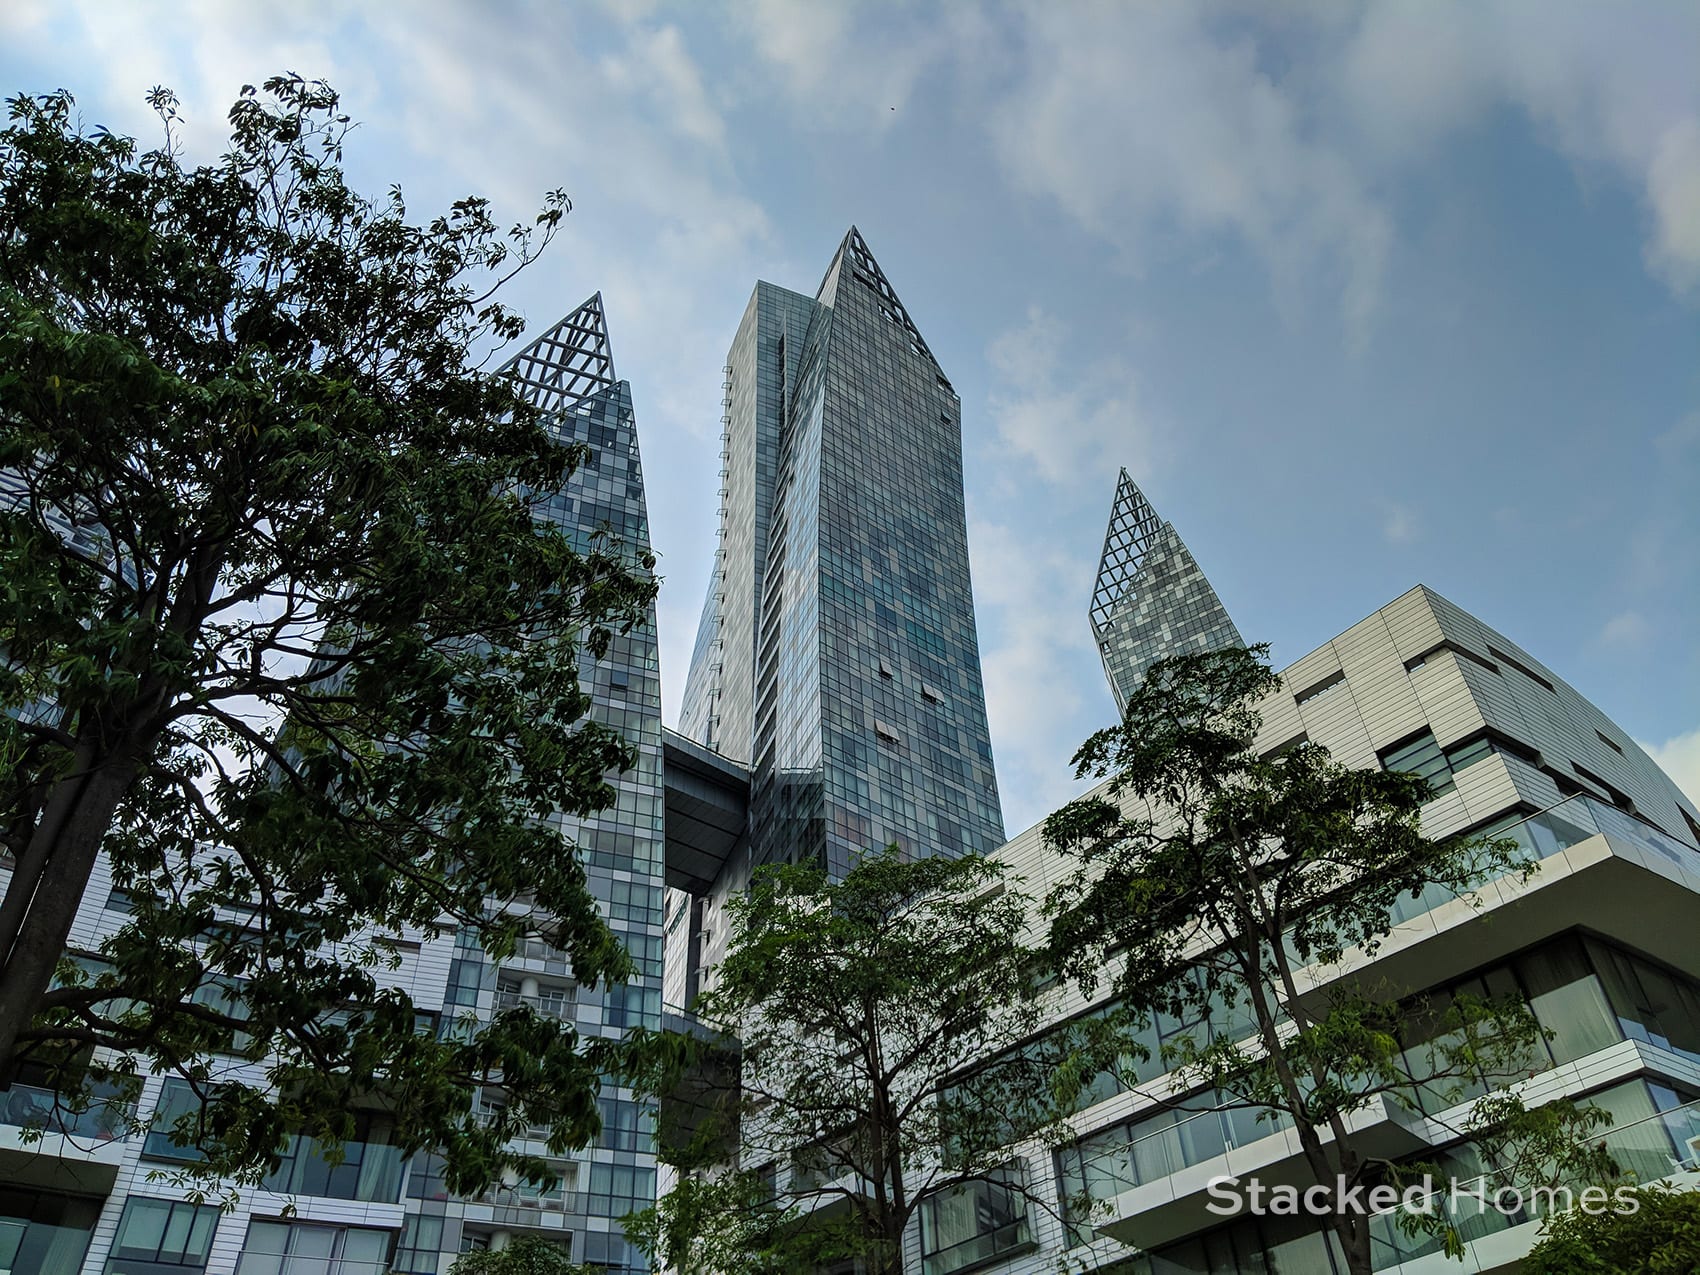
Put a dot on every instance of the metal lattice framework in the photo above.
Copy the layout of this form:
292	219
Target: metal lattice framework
570	361
869	272
1133	526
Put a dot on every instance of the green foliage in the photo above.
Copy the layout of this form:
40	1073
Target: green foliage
525	1255
854	1005
282	637
1661	1237
1214	882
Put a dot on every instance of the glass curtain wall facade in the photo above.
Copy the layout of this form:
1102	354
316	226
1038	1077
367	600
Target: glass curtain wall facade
837	654
569	373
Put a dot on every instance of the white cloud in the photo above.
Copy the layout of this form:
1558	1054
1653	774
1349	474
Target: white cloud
453	98
1031	593
1627	630
1680	438
1399	524
1610	89
1060	420
1137	119
854	66
1679	757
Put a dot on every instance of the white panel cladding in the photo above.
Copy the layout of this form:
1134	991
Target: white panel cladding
1381	703
1411	624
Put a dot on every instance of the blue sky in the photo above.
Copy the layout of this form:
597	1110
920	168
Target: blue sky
1362	295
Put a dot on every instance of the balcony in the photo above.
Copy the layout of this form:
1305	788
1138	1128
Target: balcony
1558	828
1497	1241
33	1107
551	1002
43	1143
522	1203
1161	1178
1629	879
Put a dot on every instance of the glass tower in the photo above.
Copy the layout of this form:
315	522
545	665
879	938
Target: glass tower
837	655
569	373
1151	599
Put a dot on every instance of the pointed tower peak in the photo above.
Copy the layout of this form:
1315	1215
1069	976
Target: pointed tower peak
569	362
853	251
1133	526
1151	599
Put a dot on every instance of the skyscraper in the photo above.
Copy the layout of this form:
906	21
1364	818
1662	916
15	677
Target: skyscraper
837	655
1151	599
568	372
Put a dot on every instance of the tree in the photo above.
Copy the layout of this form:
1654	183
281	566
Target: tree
856	1006
1661	1236
282	638
526	1255
1212	881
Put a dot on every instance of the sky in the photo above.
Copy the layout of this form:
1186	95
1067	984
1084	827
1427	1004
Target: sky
1362	295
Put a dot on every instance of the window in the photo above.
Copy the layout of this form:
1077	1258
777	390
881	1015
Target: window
618	1189
1417	662
175	1132
425	1178
162	1237
288	1248
223	995
1617	796
626	1126
968	1225
44	1234
1609	742
1522	668
466	978
1651	1004
416	1252
1424	756
369	1169
1326	684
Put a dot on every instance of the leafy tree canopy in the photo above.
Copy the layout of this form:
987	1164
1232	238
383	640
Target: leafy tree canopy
525	1255
1661	1237
1223	889
856	1005
282	639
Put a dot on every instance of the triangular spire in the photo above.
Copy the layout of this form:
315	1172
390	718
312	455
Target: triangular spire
855	250
1152	599
1133	526
569	362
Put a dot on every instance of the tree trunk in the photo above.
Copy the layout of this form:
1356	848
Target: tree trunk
65	846
1353	1234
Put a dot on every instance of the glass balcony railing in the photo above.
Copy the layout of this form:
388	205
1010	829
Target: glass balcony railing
1652	1147
555	1200
1175	1145
1569	823
35	1107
